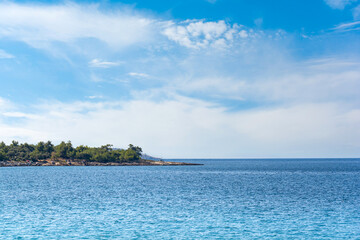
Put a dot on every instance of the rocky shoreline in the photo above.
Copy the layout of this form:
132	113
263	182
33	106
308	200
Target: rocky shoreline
86	163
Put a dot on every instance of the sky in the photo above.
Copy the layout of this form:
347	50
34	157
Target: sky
184	79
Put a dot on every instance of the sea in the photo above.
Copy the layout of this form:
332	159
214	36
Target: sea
222	199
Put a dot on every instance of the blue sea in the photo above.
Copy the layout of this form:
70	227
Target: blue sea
223	199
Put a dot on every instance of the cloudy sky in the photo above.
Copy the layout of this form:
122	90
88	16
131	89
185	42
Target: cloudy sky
182	79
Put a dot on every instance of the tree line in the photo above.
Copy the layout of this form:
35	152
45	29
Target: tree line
65	150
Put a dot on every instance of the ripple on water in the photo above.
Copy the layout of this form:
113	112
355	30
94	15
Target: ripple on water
223	199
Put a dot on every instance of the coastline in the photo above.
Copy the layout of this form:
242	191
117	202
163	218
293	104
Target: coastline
85	163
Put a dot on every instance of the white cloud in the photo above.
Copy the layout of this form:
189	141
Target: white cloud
96	63
5	55
243	34
50	26
183	127
339	4
199	34
9	133
139	75
40	25
280	81
312	111
314	81
213	86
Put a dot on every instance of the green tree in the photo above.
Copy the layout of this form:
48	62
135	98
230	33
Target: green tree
3	147
48	148
65	150
133	153
44	150
3	156
83	152
137	149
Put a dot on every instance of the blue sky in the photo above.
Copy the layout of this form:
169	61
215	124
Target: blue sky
184	79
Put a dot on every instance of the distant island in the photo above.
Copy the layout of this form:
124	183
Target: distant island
64	154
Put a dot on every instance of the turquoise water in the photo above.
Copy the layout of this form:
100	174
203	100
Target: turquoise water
224	199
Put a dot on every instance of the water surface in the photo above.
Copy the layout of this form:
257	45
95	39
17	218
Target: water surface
224	199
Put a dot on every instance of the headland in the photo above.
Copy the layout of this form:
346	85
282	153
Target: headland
64	154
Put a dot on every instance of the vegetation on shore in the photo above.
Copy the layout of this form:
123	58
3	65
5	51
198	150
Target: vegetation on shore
46	151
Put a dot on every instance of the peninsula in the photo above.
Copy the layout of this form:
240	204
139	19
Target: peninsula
64	154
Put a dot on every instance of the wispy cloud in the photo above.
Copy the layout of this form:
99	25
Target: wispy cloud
339	4
97	63
95	78
5	104
19	115
95	97
5	55
318	80
351	26
39	25
140	75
